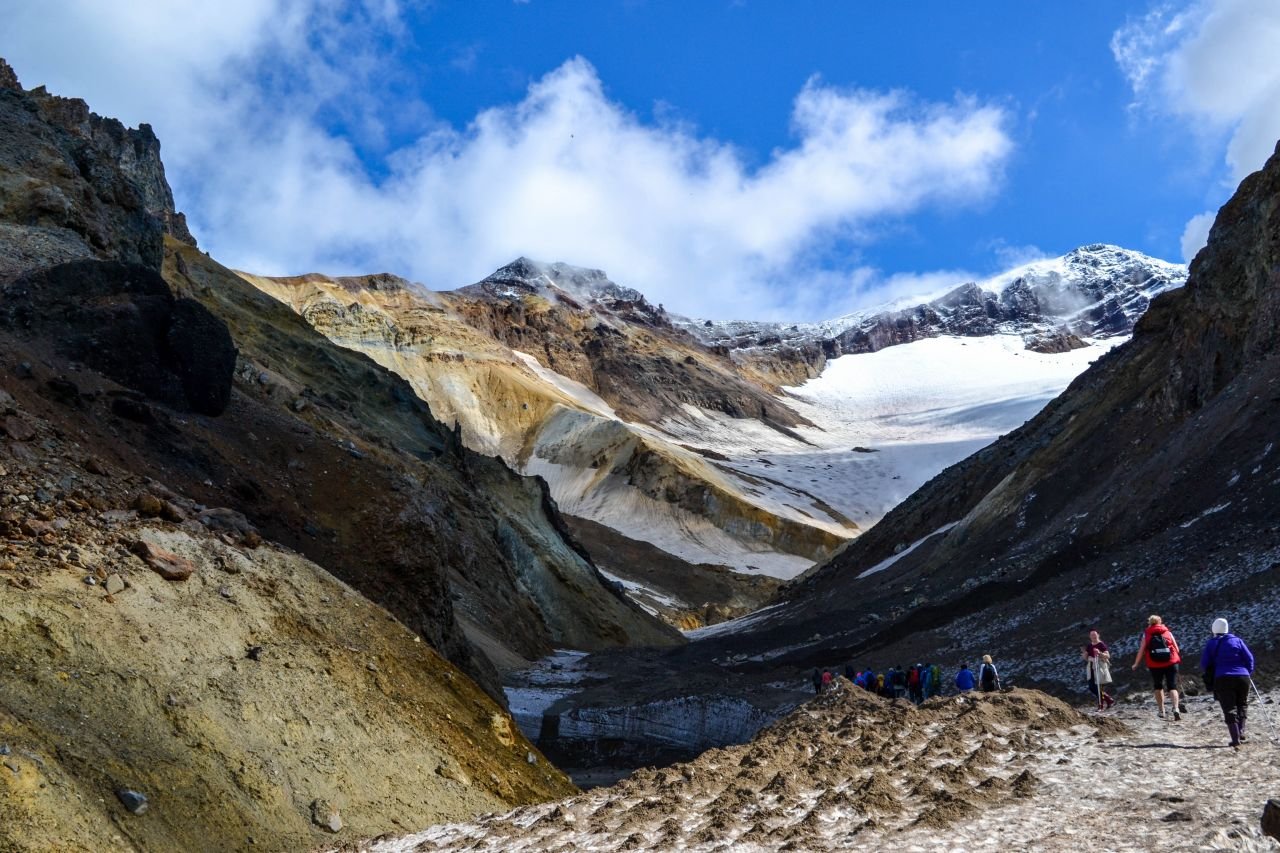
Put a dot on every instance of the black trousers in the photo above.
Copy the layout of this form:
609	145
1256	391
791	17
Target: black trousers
1232	693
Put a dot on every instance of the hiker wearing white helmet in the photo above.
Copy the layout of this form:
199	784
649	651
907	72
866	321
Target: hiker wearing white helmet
1227	664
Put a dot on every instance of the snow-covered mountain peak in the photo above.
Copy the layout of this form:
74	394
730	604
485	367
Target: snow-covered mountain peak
1094	291
525	275
1088	263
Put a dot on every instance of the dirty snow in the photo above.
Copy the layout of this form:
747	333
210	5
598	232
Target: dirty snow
1012	771
532	691
642	594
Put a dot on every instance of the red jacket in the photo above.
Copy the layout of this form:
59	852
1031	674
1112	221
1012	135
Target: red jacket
1168	638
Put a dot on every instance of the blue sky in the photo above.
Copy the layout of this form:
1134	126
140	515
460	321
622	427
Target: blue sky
732	159
1085	168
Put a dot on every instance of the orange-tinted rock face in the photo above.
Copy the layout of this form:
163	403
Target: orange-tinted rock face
566	375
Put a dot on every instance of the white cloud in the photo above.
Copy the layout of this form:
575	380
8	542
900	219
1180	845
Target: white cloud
243	101
1009	256
1214	61
1196	234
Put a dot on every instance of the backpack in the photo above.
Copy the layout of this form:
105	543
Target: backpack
913	678
1158	649
988	676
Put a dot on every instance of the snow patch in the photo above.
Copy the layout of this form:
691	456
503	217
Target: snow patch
889	561
1208	512
574	390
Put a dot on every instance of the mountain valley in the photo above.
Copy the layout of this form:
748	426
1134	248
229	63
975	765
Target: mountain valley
347	562
676	433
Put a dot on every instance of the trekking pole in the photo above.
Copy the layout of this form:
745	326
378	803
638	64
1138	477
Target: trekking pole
1097	681
1265	713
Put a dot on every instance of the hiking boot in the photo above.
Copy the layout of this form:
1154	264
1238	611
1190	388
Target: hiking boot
1109	702
1177	715
1160	713
1242	737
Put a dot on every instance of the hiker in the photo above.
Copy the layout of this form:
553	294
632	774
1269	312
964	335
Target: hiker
935	680
817	680
914	689
1159	650
880	684
964	678
926	680
987	675
1097	669
826	680
899	683
1228	669
848	671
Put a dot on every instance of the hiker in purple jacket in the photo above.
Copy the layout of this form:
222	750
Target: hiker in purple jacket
1231	663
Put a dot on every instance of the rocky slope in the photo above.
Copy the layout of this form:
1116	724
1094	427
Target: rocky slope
325	450
154	646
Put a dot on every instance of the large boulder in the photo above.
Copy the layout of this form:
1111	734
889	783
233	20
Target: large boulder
1271	819
123	321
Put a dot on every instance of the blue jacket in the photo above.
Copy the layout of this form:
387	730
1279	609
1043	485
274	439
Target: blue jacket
964	679
1228	655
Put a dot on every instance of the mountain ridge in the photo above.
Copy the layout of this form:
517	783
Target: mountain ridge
1094	291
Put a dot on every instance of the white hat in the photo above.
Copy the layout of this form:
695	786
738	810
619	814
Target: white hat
1219	625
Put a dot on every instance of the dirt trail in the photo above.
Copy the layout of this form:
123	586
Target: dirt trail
849	771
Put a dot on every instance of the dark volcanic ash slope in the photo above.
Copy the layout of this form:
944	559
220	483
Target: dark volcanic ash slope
1151	485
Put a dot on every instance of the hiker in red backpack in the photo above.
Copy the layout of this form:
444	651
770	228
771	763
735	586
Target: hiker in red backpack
1159	650
913	684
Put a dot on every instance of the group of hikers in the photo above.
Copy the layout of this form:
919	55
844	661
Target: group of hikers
1226	662
917	683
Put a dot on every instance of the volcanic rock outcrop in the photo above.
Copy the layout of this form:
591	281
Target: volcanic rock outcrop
77	185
